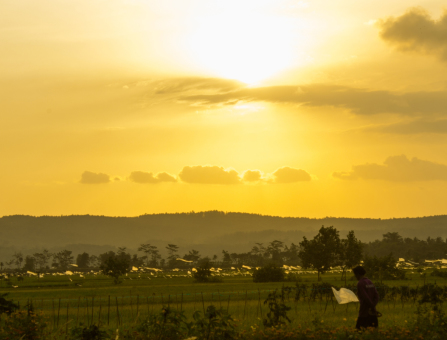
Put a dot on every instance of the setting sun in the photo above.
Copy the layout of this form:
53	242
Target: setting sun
240	43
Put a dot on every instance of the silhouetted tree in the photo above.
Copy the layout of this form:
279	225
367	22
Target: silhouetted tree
274	250
152	254
172	254
322	252
63	259
18	259
30	264
193	255
42	258
226	259
115	267
351	252
83	260
382	268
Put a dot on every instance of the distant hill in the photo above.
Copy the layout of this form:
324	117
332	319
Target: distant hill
209	231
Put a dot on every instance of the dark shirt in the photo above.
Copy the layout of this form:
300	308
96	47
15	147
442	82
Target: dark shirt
368	296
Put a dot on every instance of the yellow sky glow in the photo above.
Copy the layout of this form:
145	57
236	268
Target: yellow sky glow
284	107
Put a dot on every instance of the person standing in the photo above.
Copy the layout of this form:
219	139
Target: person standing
368	297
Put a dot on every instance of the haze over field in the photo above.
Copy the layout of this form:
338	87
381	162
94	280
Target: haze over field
279	107
209	232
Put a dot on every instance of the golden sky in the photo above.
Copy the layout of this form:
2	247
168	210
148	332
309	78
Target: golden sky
292	108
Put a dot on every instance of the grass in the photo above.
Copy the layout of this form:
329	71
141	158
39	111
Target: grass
66	304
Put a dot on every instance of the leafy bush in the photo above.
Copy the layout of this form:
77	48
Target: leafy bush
277	314
115	266
168	324
439	273
25	325
382	268
216	324
6	306
269	273
203	274
293	277
91	332
171	324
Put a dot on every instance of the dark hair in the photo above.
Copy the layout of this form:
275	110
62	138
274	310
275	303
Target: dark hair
359	270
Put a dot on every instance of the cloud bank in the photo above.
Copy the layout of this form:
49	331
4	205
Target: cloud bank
208	174
89	177
290	175
148	177
418	126
356	100
252	176
416	31
397	169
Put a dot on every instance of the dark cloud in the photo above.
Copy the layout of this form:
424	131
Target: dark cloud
165	177
397	169
358	101
414	127
416	31
290	175
143	177
252	176
94	178
209	175
177	85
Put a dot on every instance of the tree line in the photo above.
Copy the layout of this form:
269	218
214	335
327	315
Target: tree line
321	253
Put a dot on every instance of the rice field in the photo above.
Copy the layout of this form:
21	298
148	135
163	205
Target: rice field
72	300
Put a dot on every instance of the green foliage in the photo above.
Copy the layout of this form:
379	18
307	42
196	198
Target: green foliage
30	263
7	306
83	260
115	267
63	258
351	252
203	274
300	291
277	314
439	273
171	324
292	277
216	324
430	315
92	332
323	251
168	324
413	249
25	325
431	293
382	268
269	273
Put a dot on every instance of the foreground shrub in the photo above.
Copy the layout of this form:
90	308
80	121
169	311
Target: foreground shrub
168	324
25	325
6	306
439	273
91	332
171	324
216	324
277	314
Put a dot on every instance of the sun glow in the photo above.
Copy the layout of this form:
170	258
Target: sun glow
245	46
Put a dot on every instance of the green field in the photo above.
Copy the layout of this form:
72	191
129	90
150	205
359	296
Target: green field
122	306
